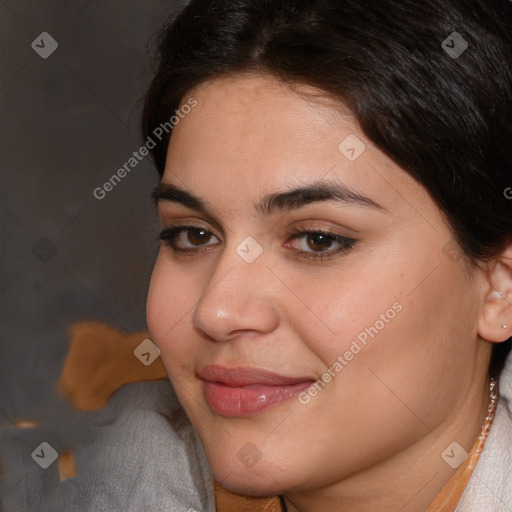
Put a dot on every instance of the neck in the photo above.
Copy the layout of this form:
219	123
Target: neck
410	480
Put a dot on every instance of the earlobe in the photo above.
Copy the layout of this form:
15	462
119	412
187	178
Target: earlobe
495	323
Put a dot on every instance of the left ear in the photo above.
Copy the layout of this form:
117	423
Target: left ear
497	303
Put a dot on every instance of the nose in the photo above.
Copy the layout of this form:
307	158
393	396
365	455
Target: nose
238	297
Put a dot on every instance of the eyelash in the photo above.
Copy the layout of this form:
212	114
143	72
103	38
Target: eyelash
345	244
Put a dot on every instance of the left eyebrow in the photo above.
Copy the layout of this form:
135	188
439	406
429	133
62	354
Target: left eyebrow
313	193
272	203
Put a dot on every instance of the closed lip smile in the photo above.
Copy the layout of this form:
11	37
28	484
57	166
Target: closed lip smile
247	390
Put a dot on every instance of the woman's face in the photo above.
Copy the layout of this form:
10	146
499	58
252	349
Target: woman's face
302	359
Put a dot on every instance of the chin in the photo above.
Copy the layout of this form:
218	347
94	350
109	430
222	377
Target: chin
261	478
249	483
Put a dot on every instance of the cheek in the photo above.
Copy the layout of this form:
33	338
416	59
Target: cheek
159	302
168	307
391	336
342	308
396	378
420	357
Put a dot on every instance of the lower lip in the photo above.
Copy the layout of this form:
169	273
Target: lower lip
247	400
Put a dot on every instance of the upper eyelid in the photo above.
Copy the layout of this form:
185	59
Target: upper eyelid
198	223
163	215
224	228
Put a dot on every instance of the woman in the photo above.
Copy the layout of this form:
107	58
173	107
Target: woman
332	299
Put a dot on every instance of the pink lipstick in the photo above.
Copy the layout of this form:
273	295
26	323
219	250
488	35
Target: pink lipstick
242	391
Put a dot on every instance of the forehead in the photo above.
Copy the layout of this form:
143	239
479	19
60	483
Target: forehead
252	135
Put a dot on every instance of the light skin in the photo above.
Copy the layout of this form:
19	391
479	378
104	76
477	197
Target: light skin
372	438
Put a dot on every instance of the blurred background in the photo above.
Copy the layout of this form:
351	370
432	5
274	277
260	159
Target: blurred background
73	74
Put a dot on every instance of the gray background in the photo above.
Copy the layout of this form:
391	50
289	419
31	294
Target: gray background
68	123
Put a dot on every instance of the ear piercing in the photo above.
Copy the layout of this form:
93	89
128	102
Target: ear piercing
504	326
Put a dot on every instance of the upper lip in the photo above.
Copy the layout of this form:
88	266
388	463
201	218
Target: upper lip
237	376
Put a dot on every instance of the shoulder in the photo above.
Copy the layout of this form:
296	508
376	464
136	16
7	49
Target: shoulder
490	486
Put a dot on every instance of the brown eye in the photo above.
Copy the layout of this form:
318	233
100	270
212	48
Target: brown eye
319	244
319	241
198	236
184	239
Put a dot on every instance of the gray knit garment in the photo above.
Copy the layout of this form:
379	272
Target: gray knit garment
138	454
